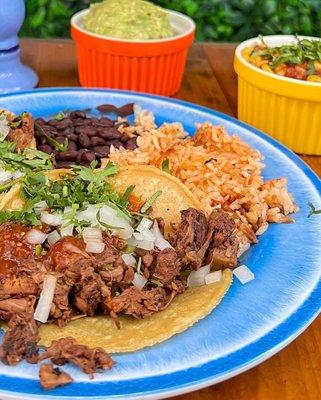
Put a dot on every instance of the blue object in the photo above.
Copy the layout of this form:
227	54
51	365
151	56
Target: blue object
252	322
14	75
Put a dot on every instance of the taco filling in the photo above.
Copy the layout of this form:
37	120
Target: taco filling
76	250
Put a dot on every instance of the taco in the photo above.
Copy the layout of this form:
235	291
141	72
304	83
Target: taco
118	258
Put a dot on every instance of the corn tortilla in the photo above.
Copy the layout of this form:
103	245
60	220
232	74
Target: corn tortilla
147	180
185	310
134	334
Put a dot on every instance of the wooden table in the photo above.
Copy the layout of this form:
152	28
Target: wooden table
292	374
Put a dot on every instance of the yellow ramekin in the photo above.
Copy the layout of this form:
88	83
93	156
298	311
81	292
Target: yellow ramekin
287	109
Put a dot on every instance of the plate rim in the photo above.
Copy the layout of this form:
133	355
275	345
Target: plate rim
305	314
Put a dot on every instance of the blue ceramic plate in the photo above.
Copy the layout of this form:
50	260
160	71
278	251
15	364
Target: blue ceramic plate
252	322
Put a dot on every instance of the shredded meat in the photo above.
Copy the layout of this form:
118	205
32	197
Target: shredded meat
17	286
192	237
111	253
224	226
60	309
12	306
167	266
52	377
20	340
141	303
67	350
224	255
24	134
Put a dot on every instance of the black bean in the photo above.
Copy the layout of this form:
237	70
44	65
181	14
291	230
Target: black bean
68	130
87	130
110	133
107	108
131	144
126	109
88	156
81	121
97	141
68	155
94	120
80	153
71	136
106	121
84	140
64	164
101	151
115	143
77	114
63	124
45	148
40	121
53	122
72	146
124	138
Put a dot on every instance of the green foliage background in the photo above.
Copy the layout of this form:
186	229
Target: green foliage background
217	20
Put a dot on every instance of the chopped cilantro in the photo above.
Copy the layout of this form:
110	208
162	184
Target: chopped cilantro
150	201
313	210
165	166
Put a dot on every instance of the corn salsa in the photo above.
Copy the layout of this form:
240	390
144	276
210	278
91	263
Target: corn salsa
299	60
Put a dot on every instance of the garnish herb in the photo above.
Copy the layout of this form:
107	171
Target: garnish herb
150	201
56	145
165	166
82	187
60	116
303	50
313	210
156	282
28	162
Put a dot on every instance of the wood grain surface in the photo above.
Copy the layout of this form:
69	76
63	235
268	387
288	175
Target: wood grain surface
209	80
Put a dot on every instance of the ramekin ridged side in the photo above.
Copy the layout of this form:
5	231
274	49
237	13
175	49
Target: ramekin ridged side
155	66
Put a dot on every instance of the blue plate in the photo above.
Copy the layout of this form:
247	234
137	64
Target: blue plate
252	322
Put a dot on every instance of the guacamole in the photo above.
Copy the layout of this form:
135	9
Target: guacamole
128	19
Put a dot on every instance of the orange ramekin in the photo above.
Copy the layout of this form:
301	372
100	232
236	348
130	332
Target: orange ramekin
152	66
285	108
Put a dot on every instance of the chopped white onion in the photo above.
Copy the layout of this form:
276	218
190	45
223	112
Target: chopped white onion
34	236
40	207
51	219
139	281
5	176
213	277
145	234
53	237
88	215
45	300
109	217
141	244
160	242
145	223
243	274
67	229
18	174
129	259
95	247
197	278
92	234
